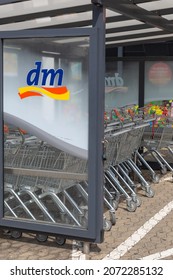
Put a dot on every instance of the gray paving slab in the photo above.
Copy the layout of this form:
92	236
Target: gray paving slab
158	239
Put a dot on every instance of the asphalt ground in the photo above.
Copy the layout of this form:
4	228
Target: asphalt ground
146	233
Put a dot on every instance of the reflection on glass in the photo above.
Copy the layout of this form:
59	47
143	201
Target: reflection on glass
42	182
158	80
48	94
121	84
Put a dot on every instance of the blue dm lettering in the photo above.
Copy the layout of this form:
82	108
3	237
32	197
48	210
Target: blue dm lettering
33	77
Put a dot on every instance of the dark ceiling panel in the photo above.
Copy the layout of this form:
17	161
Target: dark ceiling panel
163	12
69	25
141	1
48	13
131	10
133	36
141	41
130	28
4	2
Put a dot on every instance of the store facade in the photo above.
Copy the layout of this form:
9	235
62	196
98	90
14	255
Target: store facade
138	77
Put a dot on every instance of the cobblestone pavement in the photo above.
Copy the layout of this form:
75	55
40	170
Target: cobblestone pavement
131	238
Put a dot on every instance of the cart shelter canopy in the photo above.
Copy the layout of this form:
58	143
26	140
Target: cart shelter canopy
78	133
127	21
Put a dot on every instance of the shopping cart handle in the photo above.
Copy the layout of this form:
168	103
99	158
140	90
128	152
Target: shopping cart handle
104	157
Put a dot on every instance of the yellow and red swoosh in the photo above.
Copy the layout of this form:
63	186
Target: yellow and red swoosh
58	93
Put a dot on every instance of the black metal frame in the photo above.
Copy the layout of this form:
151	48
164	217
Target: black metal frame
5	2
94	232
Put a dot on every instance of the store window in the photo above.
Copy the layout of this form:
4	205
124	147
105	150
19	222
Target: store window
158	81
121	83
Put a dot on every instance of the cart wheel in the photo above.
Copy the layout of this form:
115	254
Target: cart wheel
138	201
150	192
163	170
41	237
107	225
115	204
112	218
60	240
155	179
16	234
131	206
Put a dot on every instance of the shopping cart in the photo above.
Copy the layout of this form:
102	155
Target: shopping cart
113	142
46	184
139	115
122	140
43	183
156	141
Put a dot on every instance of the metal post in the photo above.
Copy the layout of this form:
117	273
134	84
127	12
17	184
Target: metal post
99	23
86	248
1	134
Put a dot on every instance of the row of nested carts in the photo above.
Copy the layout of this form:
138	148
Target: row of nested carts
42	183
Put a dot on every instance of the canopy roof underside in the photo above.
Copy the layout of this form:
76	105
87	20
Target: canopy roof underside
127	21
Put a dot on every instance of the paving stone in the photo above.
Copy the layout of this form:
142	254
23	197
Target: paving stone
158	239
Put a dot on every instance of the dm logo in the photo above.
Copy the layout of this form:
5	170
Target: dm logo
38	76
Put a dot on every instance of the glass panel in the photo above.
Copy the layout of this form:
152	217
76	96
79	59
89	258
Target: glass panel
159	100
158	80
121	84
46	130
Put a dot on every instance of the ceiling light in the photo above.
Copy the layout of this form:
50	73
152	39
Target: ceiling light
56	53
12	48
